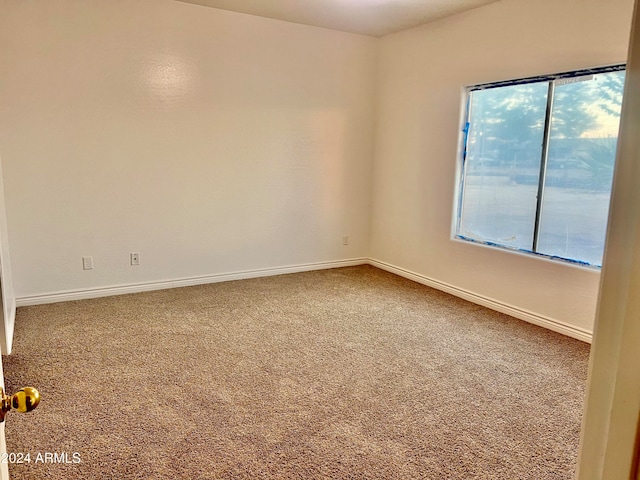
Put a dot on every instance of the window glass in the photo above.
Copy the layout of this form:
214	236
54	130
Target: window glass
582	151
503	202
502	164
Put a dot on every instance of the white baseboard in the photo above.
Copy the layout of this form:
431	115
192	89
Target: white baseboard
531	317
527	316
85	294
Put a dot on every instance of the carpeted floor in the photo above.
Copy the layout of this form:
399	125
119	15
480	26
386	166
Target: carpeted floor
346	373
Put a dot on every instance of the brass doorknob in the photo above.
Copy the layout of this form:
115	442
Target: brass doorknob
24	400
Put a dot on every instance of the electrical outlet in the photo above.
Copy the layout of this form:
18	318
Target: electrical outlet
345	239
87	263
135	258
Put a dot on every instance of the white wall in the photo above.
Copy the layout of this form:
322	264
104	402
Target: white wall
206	140
421	73
7	295
213	142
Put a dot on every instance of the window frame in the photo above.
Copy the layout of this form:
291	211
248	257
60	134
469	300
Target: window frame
466	111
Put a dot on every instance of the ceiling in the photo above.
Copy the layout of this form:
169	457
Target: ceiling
367	17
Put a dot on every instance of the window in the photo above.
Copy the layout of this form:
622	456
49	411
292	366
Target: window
538	158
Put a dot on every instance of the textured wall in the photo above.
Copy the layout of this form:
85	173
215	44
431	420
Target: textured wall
215	142
421	76
206	140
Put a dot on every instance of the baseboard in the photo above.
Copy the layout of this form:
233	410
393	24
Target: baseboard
85	294
527	316
531	317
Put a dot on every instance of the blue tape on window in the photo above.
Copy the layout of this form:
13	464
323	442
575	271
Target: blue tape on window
524	250
465	138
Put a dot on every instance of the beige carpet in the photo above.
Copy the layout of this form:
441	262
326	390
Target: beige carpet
349	373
